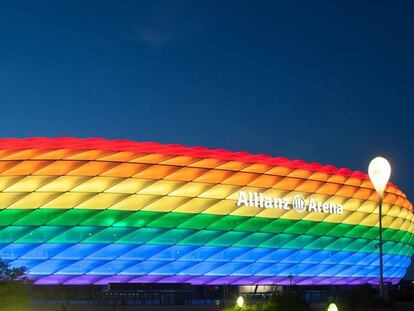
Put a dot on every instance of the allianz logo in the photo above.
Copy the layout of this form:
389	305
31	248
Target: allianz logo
298	203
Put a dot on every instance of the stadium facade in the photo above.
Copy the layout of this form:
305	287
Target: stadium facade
95	212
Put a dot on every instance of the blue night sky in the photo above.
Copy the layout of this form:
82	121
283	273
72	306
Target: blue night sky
325	81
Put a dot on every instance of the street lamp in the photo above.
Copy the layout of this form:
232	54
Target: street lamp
332	307
240	302
379	171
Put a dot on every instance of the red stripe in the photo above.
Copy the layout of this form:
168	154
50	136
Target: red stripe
170	149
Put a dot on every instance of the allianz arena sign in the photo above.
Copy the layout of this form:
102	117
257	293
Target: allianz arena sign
298	203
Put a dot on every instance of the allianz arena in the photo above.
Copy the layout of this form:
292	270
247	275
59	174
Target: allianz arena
94	211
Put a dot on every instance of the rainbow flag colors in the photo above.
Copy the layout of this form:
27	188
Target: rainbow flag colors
93	211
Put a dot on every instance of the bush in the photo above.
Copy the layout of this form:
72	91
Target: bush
360	298
278	302
400	295
14	288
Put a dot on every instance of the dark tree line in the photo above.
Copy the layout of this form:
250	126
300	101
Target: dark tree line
14	288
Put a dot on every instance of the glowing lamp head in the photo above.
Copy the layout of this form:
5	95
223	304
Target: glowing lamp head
379	171
332	307
240	301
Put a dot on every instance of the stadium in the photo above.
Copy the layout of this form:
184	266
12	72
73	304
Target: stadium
97	212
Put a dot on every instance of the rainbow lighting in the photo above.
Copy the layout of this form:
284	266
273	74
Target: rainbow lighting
94	211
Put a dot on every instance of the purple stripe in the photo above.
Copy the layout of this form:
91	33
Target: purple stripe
201	280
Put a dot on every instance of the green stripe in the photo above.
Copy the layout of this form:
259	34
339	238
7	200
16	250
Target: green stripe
219	238
118	218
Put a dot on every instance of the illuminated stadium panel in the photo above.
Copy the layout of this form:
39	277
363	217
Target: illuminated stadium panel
93	211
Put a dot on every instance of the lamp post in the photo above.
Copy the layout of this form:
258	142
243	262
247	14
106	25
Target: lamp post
379	171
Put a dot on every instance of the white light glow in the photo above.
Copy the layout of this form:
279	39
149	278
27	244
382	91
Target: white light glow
379	171
240	301
332	307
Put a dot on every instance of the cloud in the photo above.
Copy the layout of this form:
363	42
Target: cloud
153	37
157	26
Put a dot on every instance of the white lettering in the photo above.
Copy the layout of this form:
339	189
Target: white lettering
258	200
286	204
268	203
278	203
312	205
251	199
242	200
